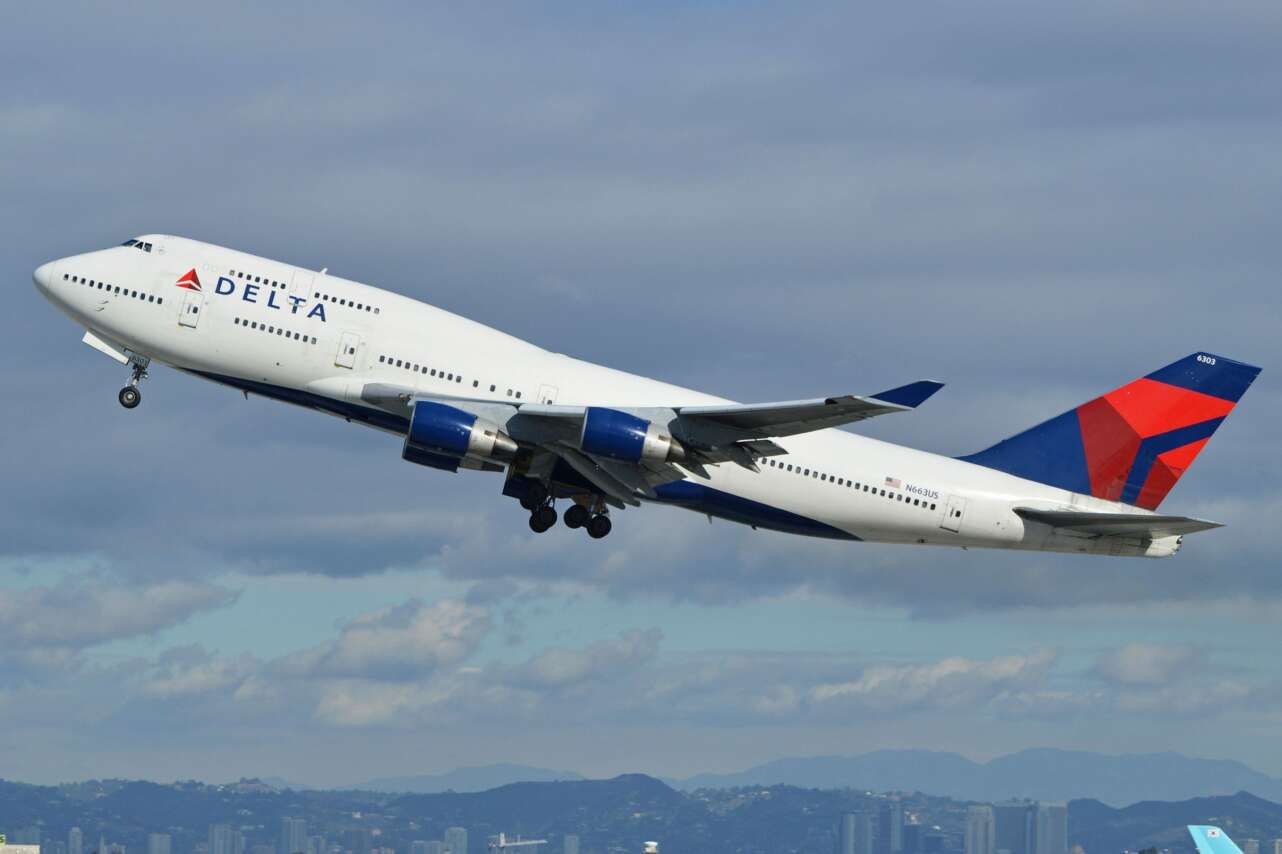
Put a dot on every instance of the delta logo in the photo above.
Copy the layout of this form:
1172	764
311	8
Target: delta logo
189	280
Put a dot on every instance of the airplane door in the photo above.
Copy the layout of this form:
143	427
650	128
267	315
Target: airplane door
547	394
348	344
953	512
302	284
193	302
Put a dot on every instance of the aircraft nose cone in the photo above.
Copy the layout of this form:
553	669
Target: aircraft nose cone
43	276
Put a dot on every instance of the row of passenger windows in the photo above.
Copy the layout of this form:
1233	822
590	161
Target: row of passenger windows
849	484
258	280
415	367
359	306
115	289
137	244
273	330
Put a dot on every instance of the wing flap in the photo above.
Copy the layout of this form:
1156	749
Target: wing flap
1117	524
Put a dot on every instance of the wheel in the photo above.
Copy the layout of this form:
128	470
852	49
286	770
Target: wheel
536	524
546	516
599	526
575	516
129	397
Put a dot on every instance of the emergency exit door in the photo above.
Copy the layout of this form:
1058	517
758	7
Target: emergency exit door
348	344
193	302
954	510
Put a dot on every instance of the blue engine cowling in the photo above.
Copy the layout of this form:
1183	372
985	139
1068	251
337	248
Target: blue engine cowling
440	435
622	436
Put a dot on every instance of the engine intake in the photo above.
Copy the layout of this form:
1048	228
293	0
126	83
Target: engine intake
620	436
439	434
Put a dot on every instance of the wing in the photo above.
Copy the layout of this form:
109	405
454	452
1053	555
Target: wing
1117	524
764	420
692	437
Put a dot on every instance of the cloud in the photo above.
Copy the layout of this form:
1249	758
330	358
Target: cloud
947	684
402	642
561	667
48	627
1146	664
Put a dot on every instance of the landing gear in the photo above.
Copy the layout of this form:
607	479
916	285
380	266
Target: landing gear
542	519
576	516
598	526
130	396
536	495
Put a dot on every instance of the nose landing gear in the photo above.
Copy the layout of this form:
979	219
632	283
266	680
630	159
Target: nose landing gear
130	396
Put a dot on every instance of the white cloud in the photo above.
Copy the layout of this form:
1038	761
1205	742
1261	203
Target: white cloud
950	683
1146	664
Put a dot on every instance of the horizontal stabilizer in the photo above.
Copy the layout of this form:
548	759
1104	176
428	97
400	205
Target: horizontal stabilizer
1117	524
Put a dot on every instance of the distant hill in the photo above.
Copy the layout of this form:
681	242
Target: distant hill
477	779
1151	824
1043	774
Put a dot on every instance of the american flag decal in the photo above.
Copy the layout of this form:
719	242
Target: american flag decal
893	482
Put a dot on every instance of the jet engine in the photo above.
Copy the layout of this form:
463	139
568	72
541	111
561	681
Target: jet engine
620	436
440	436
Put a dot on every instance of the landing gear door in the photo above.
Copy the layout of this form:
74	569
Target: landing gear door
348	345
193	302
954	511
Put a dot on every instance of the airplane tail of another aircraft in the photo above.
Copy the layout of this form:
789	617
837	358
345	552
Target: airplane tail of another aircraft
1212	840
1135	442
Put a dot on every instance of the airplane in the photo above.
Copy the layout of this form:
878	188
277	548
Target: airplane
1212	840
461	395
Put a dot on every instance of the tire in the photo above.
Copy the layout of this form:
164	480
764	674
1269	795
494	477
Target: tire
575	516
599	526
536	525
545	516
129	397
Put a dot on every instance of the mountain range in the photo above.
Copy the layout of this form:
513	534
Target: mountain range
476	779
1040	774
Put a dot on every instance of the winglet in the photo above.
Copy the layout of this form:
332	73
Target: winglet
911	395
1212	840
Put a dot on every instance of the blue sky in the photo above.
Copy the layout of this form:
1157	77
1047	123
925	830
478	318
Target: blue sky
1032	204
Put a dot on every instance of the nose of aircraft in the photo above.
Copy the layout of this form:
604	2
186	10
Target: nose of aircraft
43	276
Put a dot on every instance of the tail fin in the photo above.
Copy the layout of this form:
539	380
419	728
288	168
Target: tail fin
1212	840
1133	443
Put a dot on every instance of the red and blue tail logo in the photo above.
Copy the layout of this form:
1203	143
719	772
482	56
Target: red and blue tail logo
1135	442
189	280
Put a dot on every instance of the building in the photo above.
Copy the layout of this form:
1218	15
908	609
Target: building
1250	846
159	843
25	836
221	839
293	836
570	845
75	841
435	846
1050	829
356	840
456	840
418	846
1014	827
981	830
890	827
1277	846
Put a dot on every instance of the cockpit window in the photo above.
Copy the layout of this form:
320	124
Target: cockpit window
130	242
137	244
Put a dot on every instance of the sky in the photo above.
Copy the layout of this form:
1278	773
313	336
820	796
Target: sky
1033	203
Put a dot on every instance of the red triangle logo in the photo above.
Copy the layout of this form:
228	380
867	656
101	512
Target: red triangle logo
190	280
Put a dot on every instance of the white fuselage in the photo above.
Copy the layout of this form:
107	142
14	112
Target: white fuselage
314	339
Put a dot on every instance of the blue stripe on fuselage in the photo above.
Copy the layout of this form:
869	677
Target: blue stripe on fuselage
714	502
